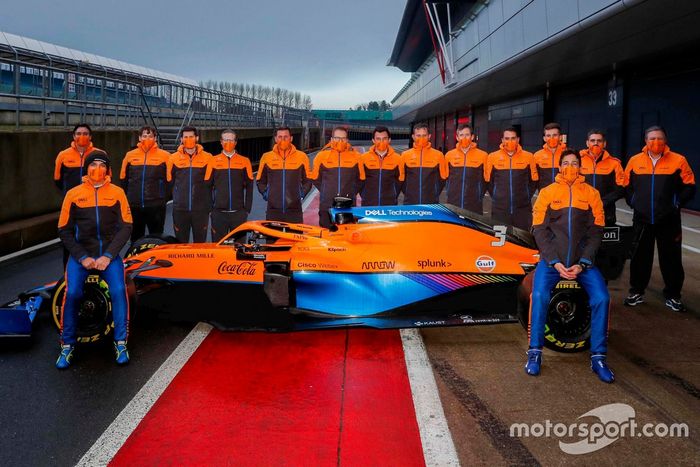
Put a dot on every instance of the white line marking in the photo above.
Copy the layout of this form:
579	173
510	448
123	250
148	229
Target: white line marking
626	211
438	447
29	250
691	248
116	434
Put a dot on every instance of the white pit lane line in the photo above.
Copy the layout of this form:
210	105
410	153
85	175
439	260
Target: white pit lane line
435	436
116	434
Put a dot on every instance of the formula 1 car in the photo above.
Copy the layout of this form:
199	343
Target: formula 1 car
382	267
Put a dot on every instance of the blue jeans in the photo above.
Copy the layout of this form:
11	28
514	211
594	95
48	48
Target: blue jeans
592	282
75	279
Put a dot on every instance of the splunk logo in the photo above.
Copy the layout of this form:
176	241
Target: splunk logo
602	426
378	265
433	263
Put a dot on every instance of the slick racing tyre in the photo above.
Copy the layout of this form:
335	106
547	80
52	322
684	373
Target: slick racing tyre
568	324
95	313
147	243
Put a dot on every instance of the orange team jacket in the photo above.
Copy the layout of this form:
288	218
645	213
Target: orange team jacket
68	170
232	182
568	221
548	164
144	176
606	175
511	180
190	191
425	173
465	179
656	192
337	174
94	222
283	179
383	178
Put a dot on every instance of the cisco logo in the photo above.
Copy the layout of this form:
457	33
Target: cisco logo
485	263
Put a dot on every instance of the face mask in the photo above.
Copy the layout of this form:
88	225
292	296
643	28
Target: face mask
229	146
82	140
97	175
510	145
381	146
464	143
189	143
596	150
656	146
147	144
284	144
570	174
422	142
339	146
553	142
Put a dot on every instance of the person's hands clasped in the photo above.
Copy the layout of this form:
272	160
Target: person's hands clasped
88	263
102	262
569	273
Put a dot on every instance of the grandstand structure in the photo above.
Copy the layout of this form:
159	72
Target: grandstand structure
44	85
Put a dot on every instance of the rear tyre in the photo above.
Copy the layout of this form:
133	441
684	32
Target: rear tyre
147	243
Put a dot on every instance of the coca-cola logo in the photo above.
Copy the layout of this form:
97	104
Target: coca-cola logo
244	268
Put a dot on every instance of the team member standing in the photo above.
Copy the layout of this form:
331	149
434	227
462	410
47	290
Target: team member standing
337	172
232	184
68	171
94	225
568	227
191	193
603	172
547	158
283	179
383	171
512	177
144	177
659	181
465	180
425	171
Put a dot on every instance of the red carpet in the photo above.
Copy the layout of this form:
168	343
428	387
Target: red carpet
308	398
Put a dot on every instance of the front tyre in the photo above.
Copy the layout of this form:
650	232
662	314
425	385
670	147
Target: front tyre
95	309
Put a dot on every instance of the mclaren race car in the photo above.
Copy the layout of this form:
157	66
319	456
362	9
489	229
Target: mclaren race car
382	267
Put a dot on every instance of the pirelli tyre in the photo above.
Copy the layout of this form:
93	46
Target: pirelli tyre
95	313
568	323
147	243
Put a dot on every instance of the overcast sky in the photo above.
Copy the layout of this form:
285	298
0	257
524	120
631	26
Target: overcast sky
334	50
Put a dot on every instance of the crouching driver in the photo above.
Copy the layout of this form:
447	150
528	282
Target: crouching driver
94	225
568	221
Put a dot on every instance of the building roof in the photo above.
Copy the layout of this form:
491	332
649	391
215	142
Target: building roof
53	51
413	44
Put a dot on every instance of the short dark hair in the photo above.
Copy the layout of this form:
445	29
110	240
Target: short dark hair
190	128
82	125
569	152
513	130
552	126
148	129
381	129
341	128
464	126
421	125
229	130
595	131
283	128
654	128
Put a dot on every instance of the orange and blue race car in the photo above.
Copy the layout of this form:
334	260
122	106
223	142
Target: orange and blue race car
382	267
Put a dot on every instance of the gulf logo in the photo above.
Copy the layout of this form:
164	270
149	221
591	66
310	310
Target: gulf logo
485	263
